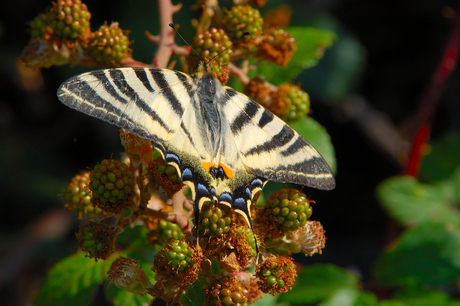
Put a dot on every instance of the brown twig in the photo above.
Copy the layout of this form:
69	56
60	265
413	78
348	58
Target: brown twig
166	37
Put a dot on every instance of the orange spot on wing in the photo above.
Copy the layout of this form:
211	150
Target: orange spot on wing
207	166
227	170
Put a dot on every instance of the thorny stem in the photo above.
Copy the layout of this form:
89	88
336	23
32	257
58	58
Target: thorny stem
166	39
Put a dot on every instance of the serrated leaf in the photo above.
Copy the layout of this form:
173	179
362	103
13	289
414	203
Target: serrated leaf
443	159
71	281
318	137
194	295
311	44
413	203
319	282
428	254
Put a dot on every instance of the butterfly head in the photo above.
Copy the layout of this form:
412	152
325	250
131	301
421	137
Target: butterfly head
203	69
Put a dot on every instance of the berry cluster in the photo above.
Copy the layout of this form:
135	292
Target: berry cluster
289	209
96	239
209	44
230	292
67	19
109	45
277	46
276	275
163	233
248	235
214	219
297	100
241	19
164	176
112	185
177	263
77	196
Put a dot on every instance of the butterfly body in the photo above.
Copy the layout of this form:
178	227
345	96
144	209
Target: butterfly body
224	145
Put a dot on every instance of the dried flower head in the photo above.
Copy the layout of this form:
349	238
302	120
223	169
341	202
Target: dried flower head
126	273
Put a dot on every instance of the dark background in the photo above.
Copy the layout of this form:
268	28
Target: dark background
43	143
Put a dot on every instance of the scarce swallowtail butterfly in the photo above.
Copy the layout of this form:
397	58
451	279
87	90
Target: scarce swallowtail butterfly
224	145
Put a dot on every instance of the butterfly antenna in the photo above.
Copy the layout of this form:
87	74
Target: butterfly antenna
244	34
177	32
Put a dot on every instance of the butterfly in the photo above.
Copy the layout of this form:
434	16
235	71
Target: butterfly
224	145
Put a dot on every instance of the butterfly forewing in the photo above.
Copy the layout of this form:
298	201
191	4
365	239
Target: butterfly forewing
139	100
272	149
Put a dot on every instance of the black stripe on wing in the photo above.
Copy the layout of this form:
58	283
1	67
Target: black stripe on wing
267	117
91	102
244	117
142	76
282	138
167	92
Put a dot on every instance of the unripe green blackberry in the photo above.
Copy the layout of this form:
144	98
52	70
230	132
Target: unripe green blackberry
77	196
297	100
178	263
66	19
170	172
38	26
112	184
210	43
241	19
277	46
70	18
164	176
290	207
214	219
96	239
276	275
227	293
249	236
164	233
109	45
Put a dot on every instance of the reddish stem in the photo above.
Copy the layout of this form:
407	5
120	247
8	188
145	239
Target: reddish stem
430	99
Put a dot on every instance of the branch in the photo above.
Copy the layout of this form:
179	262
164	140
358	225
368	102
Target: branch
166	38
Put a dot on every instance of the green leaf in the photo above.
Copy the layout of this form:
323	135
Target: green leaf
311	44
423	297
121	297
413	203
343	297
366	298
194	295
428	254
336	75
318	137
320	282
267	300
392	303
72	281
443	159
